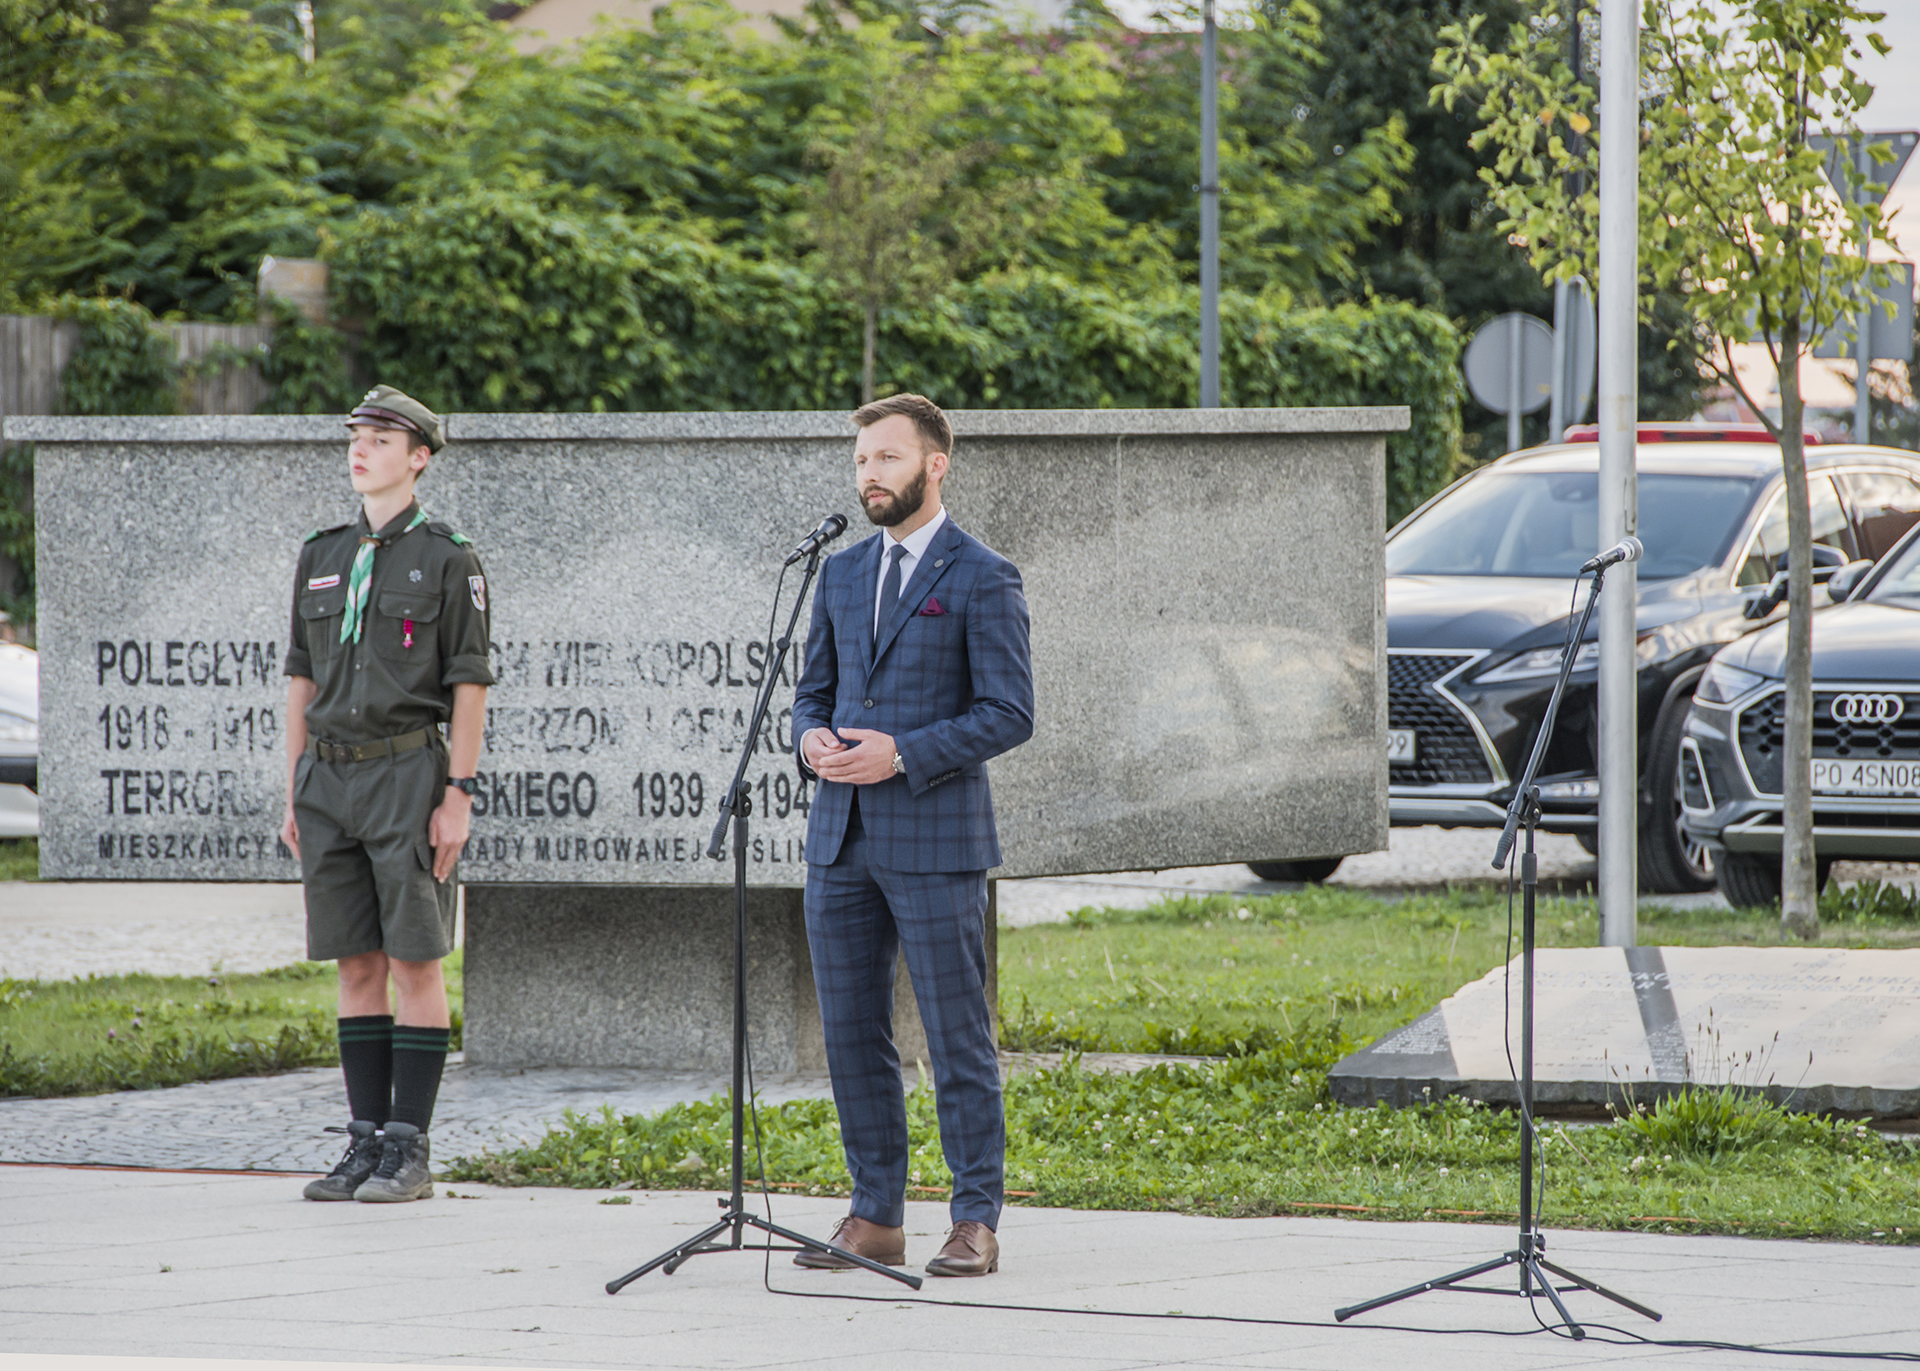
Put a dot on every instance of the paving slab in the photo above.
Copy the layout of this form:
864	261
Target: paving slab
1814	1028
277	1123
152	1264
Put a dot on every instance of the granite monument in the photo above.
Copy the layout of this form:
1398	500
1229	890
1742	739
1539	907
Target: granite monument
1206	592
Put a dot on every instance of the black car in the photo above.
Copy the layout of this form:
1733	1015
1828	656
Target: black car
1866	734
1480	581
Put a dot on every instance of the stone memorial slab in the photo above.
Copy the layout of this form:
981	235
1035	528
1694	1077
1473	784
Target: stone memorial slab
1206	590
1811	1029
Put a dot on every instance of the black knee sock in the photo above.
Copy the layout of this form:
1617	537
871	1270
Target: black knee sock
419	1056
366	1060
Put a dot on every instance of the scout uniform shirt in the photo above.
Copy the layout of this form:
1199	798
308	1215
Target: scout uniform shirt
424	630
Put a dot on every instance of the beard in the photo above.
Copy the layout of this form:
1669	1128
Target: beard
900	507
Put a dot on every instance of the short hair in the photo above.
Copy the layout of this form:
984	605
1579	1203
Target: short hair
929	420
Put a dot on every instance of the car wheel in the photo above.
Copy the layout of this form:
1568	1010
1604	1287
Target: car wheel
1752	881
1310	870
1672	862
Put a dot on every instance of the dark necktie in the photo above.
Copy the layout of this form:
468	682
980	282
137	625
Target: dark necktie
889	590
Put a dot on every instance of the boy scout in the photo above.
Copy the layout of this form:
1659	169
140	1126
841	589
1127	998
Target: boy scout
389	645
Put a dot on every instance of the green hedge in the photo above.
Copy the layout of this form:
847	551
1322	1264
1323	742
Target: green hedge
499	301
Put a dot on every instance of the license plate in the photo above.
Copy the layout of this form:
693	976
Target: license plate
1401	746
1832	776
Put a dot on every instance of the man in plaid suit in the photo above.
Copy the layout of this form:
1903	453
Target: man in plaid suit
917	671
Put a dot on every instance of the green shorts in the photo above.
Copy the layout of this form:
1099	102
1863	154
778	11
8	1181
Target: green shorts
365	861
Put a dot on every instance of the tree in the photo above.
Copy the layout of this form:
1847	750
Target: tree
155	166
1736	216
893	214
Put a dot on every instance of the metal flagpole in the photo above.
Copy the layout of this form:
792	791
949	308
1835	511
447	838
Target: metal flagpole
1863	310
1619	501
1558	405
1209	214
1513	381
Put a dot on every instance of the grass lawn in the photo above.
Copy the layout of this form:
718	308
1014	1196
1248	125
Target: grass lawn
19	859
102	1033
1281	987
1278	988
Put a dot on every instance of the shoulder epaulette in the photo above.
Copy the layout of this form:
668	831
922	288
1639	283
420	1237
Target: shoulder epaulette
448	532
323	532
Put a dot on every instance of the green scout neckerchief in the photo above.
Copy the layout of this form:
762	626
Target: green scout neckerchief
360	580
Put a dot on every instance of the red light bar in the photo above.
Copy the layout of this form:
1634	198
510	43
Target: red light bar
1687	433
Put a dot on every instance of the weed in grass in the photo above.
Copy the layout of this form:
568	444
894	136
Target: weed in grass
1707	1122
1870	902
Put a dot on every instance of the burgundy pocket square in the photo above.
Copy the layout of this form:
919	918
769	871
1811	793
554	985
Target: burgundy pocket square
931	607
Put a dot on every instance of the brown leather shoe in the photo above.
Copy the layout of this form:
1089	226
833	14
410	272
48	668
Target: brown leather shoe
971	1250
887	1246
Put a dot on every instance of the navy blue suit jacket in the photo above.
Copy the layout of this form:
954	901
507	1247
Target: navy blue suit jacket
951	678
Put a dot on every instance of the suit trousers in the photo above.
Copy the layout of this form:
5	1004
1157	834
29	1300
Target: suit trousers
859	919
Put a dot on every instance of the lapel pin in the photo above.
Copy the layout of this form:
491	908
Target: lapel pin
940	561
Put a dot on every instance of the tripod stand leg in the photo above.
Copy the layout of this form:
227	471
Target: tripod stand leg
1532	1267
1600	1290
1342	1315
815	1245
672	1257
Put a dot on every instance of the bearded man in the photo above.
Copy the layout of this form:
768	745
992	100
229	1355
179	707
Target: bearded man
917	672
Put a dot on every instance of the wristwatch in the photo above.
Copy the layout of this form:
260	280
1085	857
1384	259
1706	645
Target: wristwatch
466	785
899	764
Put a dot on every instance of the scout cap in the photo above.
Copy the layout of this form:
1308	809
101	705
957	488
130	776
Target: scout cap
385	407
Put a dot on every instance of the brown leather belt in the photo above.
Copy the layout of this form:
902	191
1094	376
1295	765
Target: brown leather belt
382	747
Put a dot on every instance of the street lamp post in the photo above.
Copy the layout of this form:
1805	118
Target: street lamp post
1619	496
1209	213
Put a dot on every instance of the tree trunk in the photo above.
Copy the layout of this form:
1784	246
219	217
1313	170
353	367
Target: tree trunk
1799	892
869	341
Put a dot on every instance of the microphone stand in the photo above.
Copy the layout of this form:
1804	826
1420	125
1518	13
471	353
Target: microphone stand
1534	1267
736	1218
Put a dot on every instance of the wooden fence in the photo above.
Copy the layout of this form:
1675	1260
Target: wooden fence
35	350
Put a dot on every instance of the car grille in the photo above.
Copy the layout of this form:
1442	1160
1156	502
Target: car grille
1447	751
1763	732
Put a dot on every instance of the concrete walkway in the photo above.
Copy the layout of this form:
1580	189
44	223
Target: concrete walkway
196	1266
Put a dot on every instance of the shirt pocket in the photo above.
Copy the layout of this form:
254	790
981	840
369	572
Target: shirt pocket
403	628
321	611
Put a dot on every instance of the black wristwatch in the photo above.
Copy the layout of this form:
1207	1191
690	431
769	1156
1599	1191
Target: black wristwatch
467	785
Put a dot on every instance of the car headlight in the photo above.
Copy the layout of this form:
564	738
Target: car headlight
18	728
1723	683
1542	662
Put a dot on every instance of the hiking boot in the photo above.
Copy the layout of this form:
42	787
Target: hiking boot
354	1166
402	1172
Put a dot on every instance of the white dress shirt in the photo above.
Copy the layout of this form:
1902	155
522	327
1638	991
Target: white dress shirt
916	544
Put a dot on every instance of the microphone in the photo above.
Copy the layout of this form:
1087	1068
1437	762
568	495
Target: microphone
830	528
1628	549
